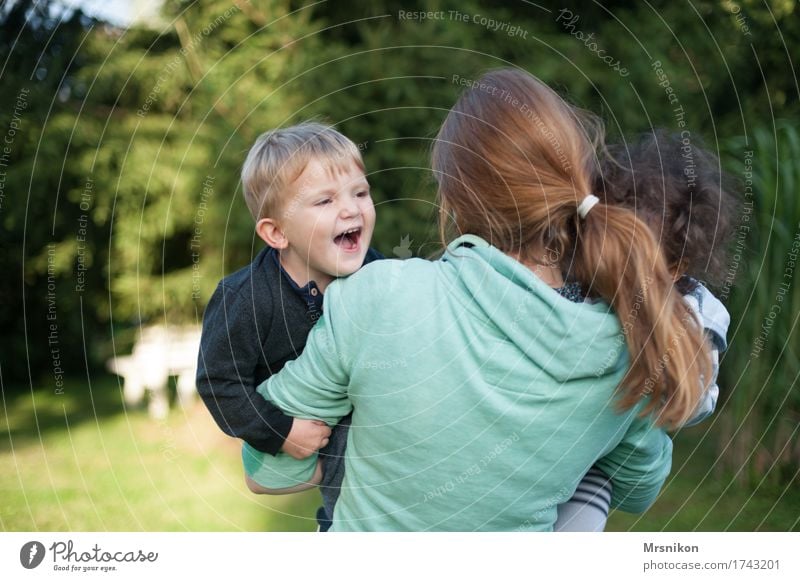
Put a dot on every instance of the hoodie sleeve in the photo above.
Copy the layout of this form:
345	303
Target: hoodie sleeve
278	471
638	466
313	386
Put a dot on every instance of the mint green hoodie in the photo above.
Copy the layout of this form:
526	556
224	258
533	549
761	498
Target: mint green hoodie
480	397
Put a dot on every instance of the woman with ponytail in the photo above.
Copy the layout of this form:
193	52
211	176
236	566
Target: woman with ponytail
483	386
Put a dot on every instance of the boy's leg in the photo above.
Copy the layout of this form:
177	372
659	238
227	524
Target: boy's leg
587	510
332	457
323	520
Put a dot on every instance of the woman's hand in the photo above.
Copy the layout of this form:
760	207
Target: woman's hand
305	438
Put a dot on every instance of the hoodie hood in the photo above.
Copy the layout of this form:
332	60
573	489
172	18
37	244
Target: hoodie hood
567	340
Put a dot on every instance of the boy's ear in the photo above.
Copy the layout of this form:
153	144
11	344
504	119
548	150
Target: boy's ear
271	233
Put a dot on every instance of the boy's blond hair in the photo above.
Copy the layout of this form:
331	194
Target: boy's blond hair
279	156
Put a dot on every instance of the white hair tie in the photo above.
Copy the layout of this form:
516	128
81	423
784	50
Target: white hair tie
587	204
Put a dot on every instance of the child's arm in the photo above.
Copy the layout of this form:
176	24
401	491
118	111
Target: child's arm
715	319
229	355
708	401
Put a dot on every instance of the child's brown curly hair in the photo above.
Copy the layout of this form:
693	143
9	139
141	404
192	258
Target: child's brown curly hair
681	191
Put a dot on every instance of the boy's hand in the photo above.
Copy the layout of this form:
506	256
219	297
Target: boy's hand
305	438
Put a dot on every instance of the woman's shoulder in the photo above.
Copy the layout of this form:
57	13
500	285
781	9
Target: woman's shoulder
384	282
391	272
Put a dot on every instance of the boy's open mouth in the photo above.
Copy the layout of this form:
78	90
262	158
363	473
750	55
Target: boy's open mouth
348	240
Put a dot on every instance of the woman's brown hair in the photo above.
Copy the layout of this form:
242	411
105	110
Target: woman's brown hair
513	161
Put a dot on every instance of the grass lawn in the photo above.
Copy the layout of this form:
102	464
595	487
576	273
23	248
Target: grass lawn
699	496
80	462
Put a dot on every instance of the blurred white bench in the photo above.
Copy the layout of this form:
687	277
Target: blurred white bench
158	354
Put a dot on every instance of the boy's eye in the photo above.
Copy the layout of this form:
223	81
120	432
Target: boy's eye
363	194
323	202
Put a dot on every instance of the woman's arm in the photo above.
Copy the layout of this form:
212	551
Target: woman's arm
315	385
279	474
256	488
638	466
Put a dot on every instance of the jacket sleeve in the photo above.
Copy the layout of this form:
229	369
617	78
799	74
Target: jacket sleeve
715	320
638	466
230	347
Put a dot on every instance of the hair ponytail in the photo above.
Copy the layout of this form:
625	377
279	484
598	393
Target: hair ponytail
618	258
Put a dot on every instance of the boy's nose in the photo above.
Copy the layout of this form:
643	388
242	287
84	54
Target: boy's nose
348	208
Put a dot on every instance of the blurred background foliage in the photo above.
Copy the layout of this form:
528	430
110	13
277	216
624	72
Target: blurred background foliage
121	204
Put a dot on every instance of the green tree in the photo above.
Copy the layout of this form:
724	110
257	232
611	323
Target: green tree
43	227
186	102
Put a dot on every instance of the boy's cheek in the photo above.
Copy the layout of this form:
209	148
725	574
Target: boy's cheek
370	213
